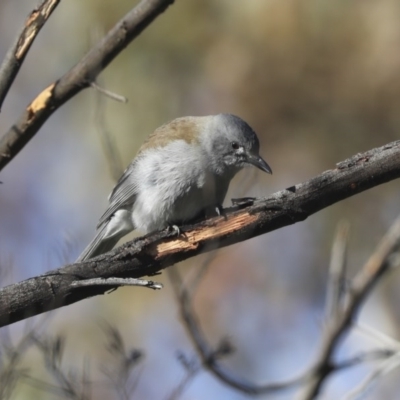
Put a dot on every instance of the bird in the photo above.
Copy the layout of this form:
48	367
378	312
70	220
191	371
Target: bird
181	171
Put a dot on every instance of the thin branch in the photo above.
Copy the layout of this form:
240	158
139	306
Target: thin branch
108	93
192	369
152	253
79	77
209	356
210	360
119	370
337	272
16	54
44	386
378	336
373	355
10	371
379	263
117	282
52	351
11	354
384	368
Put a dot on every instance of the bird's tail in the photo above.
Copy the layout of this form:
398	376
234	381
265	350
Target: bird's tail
107	236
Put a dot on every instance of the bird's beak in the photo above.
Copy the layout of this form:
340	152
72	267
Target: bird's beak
258	162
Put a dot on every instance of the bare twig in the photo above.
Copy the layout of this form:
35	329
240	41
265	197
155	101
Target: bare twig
379	263
192	368
378	336
16	54
11	355
52	351
384	368
108	93
116	282
335	306
79	77
124	362
40	384
209	357
391	361
9	367
362	358
337	272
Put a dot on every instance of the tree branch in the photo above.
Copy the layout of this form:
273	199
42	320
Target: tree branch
79	77
150	254
17	52
210	356
379	262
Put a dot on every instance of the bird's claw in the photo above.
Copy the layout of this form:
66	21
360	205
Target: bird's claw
173	230
219	210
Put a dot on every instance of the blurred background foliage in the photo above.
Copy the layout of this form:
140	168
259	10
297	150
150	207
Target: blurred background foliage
318	80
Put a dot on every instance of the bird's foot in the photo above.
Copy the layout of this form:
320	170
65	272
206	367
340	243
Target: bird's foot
212	211
173	230
220	211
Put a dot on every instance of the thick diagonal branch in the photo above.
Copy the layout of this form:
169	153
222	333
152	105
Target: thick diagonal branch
79	77
16	54
152	253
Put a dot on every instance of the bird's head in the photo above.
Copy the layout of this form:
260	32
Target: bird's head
232	144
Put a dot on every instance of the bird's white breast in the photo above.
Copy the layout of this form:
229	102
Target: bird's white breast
174	184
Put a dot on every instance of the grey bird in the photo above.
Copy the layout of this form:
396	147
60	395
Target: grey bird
181	171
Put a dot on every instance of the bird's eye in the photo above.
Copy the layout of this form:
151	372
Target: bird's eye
235	145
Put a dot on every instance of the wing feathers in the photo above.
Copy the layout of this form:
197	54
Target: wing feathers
108	235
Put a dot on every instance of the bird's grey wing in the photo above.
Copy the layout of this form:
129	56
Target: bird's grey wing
108	235
123	194
98	245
